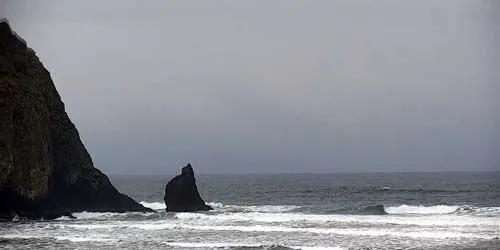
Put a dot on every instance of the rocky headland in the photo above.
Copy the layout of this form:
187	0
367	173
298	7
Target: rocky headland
45	170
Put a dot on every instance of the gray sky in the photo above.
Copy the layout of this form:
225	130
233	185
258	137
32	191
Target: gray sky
274	86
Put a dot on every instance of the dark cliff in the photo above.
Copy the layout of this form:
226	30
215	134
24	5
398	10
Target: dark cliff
181	193
45	170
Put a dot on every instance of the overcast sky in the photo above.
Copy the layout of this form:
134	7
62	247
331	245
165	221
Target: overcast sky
274	86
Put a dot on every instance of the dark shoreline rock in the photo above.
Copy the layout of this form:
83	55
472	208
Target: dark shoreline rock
45	170
181	193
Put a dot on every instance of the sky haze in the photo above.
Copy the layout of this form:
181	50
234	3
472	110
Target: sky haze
274	86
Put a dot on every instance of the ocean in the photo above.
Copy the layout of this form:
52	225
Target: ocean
288	211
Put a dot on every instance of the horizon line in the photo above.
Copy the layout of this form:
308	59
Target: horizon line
299	173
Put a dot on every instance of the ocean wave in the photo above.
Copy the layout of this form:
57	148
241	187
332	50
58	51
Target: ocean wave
61	238
444	209
110	216
244	246
409	209
374	210
298	218
154	205
165	220
94	215
481	211
404	209
90	215
287	213
83	239
378	209
375	232
261	208
337	231
234	208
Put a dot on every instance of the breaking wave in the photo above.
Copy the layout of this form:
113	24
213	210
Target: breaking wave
154	205
261	208
444	209
231	208
242	246
283	213
407	209
375	232
419	210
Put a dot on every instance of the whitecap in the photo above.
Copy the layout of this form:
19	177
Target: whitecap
218	206
255	208
407	209
154	205
94	215
226	245
424	233
82	239
429	220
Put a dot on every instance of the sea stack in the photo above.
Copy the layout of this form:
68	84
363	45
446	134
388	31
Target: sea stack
45	171
181	193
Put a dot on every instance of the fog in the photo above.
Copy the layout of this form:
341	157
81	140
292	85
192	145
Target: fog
274	86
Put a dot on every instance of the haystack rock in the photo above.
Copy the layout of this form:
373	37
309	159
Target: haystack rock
181	193
45	171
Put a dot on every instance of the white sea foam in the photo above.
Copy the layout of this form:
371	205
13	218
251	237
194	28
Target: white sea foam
433	232
234	245
438	215
444	209
100	215
63	218
91	215
208	244
406	209
261	208
82	239
154	205
222	207
319	248
20	236
480	211
69	238
402	209
429	220
422	233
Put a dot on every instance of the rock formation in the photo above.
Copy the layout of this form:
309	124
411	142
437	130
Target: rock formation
181	193
45	171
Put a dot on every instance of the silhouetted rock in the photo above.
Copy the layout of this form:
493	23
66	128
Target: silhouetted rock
45	171
181	193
